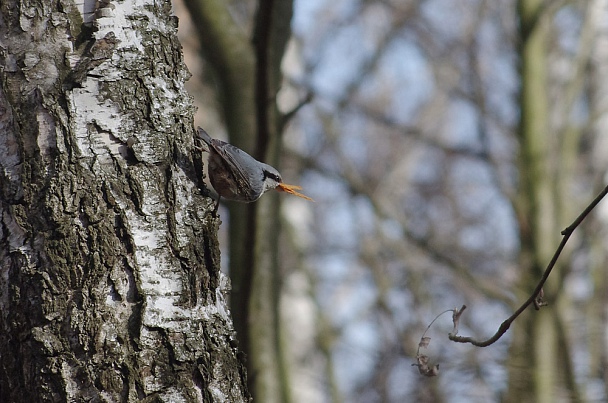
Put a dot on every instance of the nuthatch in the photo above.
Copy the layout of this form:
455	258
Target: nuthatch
236	175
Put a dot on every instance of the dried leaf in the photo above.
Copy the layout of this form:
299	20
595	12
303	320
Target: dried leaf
424	342
423	367
434	371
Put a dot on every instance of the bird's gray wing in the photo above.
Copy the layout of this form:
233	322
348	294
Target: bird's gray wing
247	171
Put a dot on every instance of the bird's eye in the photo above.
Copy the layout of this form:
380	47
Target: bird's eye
272	176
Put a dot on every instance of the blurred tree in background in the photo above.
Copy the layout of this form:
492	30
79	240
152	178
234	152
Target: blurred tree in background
447	143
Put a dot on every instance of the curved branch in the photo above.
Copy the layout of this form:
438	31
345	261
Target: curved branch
536	297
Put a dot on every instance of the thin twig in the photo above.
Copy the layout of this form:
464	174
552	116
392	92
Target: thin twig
428	327
536	296
422	360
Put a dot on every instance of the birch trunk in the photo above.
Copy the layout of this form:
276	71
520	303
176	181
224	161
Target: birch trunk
110	287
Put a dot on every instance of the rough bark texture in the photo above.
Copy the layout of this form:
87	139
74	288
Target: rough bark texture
110	287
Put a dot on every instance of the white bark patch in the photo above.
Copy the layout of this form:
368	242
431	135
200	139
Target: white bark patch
69	375
88	109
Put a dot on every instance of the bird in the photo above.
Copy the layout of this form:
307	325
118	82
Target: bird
236	175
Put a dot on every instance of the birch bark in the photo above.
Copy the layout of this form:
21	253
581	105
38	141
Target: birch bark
110	288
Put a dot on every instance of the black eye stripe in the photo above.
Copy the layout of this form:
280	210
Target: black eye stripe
271	176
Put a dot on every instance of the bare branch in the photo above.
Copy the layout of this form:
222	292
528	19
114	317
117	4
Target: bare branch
536	297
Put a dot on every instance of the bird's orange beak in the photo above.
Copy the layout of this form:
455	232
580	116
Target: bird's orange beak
292	189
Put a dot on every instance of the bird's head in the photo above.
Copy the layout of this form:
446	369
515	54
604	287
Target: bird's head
273	180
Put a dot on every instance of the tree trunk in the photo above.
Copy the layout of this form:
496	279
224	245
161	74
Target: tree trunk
268	345
532	357
598	312
110	286
249	76
540	366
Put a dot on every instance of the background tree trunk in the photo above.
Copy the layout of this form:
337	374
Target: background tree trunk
535	208
110	286
268	346
540	364
247	69
597	315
